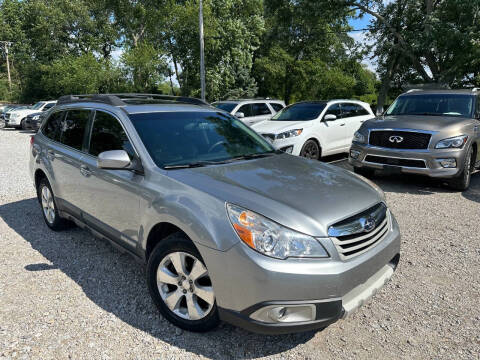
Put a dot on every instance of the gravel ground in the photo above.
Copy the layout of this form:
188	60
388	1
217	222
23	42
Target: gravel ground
68	295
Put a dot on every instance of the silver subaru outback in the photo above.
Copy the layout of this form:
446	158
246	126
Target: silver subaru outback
229	228
434	133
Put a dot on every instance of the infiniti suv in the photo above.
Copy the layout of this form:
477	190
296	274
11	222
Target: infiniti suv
229	228
433	133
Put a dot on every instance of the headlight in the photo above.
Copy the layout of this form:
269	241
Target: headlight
360	138
270	238
454	142
36	117
289	134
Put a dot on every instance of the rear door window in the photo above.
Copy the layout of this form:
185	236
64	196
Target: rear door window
108	134
73	128
260	109
52	128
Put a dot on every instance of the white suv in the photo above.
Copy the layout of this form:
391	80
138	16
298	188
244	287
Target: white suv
251	111
16	117
313	129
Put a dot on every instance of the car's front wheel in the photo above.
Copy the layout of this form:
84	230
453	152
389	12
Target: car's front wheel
180	284
310	150
23	125
462	181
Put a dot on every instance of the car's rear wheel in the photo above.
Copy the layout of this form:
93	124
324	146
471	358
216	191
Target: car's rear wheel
310	150
462	181
49	207
23	125
180	285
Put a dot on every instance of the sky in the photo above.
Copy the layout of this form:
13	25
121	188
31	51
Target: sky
360	36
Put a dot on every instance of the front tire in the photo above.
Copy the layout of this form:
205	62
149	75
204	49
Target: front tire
49	207
462	181
180	285
311	150
23	126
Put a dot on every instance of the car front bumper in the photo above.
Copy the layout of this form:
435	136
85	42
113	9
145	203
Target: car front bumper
246	282
430	157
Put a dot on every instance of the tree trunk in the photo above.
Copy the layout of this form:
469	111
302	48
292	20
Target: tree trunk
382	96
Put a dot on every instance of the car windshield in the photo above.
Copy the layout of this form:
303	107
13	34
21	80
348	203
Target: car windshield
38	105
226	106
300	112
175	139
433	104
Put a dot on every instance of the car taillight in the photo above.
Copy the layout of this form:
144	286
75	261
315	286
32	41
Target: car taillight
32	138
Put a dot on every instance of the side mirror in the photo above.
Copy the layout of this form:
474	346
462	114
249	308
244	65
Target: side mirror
240	115
330	117
113	160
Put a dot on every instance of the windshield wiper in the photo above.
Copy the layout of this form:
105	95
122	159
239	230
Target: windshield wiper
255	156
426	114
189	165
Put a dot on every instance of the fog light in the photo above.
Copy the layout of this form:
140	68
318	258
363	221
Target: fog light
448	163
354	154
287	149
285	313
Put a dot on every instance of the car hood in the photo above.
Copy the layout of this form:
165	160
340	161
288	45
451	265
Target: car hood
429	123
23	112
277	127
301	194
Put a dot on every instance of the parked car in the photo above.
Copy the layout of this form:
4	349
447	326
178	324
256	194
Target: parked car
17	117
6	109
313	129
251	111
33	121
433	133
230	228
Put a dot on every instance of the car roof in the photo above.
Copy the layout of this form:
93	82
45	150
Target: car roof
152	108
472	92
236	101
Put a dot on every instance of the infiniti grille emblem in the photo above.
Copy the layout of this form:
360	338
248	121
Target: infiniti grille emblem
369	224
395	139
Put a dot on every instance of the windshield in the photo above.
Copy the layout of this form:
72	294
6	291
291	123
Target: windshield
300	112
183	138
433	104
227	106
38	105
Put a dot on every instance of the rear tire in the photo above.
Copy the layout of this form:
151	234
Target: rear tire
311	150
49	207
366	172
177	276
462	181
22	125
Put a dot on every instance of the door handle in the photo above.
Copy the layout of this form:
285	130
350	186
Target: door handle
85	171
342	124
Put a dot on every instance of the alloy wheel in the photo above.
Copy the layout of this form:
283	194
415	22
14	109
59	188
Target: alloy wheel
48	205
185	286
310	151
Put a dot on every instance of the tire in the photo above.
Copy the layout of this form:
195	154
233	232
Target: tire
462	181
182	295
49	207
22	125
311	150
366	172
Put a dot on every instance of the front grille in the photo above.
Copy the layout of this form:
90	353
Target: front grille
395	161
269	136
351	236
393	139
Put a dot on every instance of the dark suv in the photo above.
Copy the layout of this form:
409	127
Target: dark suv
433	133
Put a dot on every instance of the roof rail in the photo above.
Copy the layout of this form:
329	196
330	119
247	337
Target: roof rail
122	99
413	90
475	89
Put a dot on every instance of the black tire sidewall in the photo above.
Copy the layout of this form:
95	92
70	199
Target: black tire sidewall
173	243
462	182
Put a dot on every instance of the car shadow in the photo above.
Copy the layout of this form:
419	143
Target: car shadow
116	283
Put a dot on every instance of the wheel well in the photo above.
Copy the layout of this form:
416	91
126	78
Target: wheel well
157	234
39	175
475	152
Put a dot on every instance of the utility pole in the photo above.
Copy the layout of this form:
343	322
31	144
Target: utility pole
202	52
6	43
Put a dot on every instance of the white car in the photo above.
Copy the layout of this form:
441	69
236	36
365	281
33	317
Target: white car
251	111
313	129
16	117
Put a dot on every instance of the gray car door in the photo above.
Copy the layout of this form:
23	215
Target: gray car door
110	197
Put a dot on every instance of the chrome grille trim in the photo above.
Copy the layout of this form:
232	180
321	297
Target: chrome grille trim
356	243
